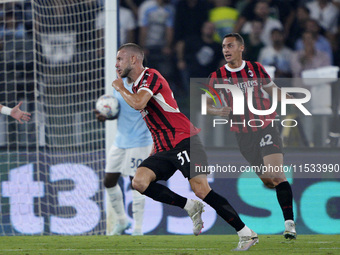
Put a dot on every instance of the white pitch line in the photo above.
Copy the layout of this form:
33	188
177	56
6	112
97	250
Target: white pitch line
331	248
321	242
125	249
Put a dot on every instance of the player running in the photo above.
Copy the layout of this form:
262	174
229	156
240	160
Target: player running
260	145
133	144
172	135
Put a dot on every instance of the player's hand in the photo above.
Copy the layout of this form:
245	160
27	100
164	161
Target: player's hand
224	111
118	83
19	115
99	116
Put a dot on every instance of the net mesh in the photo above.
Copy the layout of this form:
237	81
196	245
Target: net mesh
51	167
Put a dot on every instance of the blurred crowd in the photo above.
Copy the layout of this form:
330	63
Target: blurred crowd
181	38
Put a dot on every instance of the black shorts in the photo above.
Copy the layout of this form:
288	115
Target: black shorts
255	145
184	157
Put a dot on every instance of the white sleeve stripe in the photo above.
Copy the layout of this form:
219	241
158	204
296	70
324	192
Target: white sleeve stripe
147	89
268	85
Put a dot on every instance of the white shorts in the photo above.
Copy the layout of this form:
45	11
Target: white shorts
126	161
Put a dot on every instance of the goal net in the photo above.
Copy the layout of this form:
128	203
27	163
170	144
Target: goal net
51	168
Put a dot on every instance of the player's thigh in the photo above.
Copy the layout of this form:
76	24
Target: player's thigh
249	147
142	179
161	164
133	158
189	157
271	151
115	160
270	143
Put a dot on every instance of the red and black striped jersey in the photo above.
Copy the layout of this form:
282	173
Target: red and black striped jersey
249	74
168	126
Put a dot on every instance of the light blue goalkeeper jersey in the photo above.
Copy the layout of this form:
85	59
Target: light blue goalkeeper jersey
131	128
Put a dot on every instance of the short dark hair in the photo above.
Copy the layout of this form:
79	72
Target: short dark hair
134	47
237	36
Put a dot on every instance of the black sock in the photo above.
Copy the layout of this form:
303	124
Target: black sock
224	209
163	194
285	197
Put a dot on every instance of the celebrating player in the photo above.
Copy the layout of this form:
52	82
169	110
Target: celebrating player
15	113
261	146
132	144
172	134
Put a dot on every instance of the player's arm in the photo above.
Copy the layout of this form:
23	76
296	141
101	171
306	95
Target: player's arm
136	101
222	111
270	87
15	113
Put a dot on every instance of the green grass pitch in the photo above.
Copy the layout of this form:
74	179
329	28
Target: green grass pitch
169	244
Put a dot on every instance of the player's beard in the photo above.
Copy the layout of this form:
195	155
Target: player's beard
126	71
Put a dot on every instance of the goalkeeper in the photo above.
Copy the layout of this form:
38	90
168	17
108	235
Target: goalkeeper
133	144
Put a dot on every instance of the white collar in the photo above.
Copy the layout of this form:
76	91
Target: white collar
235	69
140	77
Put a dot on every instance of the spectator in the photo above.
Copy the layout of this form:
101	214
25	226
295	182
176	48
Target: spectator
277	9
224	17
253	41
28	16
11	26
321	42
262	12
156	21
16	63
336	3
198	56
327	15
299	25
189	18
309	57
127	24
242	4
132	5
13	45
277	55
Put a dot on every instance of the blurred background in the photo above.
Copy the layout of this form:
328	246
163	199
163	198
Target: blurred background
62	42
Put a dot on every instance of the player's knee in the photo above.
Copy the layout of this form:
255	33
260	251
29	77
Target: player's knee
110	181
269	184
200	189
139	185
200	193
277	181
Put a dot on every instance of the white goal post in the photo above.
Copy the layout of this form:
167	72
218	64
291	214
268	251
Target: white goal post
111	45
